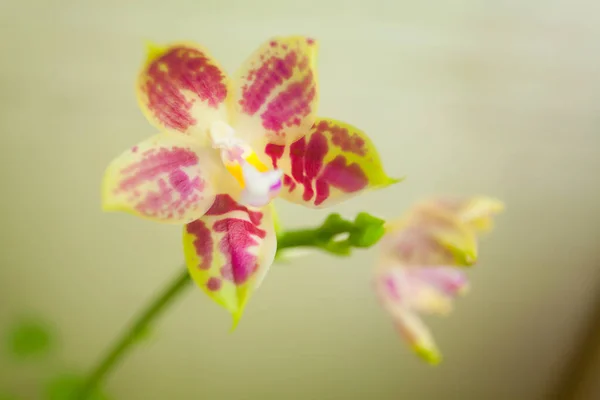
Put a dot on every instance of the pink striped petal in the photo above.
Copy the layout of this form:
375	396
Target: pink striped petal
276	91
166	178
182	88
229	251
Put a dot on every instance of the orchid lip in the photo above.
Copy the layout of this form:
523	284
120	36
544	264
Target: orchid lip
260	184
276	186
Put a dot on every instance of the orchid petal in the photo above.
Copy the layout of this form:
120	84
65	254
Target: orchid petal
448	231
432	289
229	251
413	246
333	162
421	255
276	91
418	335
450	281
182	88
477	212
395	298
167	178
428	238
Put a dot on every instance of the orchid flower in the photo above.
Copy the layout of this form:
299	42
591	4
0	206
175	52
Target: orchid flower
226	148
421	259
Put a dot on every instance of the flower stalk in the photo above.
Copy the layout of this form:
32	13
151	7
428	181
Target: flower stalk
363	232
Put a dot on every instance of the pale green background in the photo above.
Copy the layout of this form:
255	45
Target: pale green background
465	97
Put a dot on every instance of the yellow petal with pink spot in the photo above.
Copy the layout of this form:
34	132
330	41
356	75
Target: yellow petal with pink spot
333	162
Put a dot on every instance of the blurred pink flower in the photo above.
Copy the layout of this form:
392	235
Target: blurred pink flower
419	271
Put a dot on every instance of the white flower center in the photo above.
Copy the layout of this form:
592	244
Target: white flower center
260	184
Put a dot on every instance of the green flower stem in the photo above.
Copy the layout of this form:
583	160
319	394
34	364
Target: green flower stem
323	237
336	235
157	305
363	232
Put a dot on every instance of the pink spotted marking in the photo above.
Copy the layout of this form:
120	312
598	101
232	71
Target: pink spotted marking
297	154
446	279
310	41
312	161
172	192
224	204
309	171
340	137
182	69
134	149
275	152
261	81
213	284
391	288
227	272
203	243
346	177
291	106
238	236
289	182
182	183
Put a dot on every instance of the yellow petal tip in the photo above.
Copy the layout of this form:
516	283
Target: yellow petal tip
469	258
463	257
492	204
153	50
431	355
387	181
392	181
237	316
480	211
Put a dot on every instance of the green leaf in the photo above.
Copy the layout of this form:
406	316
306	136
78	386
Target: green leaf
66	387
30	338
